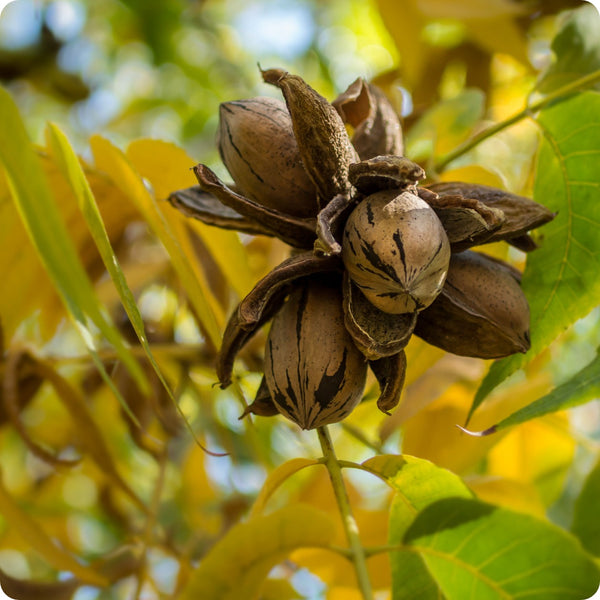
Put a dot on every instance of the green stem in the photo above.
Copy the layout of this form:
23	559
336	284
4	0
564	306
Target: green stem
350	526
574	86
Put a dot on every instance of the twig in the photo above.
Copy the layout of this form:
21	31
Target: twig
574	86
350	526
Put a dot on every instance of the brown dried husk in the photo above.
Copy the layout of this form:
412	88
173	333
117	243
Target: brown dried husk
314	372
262	302
322	139
198	204
296	231
467	222
377	129
390	373
376	334
481	312
521	214
396	251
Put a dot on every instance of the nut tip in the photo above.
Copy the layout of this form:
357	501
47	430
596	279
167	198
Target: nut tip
273	76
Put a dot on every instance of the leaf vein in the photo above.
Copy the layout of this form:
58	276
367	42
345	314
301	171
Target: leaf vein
469	568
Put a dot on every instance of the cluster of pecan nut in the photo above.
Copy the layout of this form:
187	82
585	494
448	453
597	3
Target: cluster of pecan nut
375	257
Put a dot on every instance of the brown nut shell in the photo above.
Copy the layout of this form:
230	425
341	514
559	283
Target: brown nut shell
481	312
314	372
396	251
257	145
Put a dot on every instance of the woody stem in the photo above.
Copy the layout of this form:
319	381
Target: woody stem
575	86
349	523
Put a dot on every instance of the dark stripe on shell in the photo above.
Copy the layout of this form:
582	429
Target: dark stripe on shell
370	215
330	385
375	260
397	237
234	146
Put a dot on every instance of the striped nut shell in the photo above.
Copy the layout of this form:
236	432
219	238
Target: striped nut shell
314	372
396	251
257	145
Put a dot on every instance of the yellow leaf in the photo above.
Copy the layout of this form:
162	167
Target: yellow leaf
405	21
168	168
432	433
199	498
236	567
50	235
344	593
420	390
276	478
336	570
473	174
537	453
501	34
278	589
90	436
516	495
38	540
111	160
468	9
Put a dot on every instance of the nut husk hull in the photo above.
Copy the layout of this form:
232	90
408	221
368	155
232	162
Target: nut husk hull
323	142
314	372
481	312
257	145
396	251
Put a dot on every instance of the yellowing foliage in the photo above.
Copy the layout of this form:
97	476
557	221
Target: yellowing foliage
112	311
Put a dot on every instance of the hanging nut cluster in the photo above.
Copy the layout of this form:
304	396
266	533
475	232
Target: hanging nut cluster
375	257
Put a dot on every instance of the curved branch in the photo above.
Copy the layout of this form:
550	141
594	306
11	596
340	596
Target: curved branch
575	86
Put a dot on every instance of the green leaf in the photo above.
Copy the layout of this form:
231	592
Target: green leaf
561	278
586	525
49	235
70	166
238	564
111	160
576	47
581	388
476	550
417	483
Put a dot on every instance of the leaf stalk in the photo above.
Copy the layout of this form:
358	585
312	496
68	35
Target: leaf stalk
349	522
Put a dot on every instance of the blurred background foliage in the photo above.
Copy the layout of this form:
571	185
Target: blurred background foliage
134	69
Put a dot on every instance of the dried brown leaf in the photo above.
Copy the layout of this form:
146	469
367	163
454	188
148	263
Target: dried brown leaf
21	382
